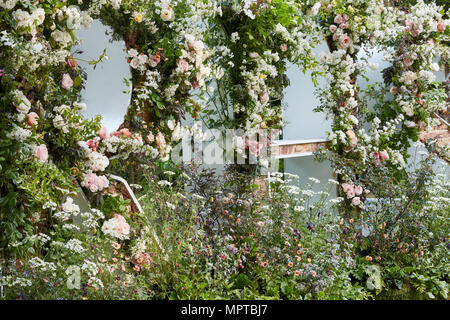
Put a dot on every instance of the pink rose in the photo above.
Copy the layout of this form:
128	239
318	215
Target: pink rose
41	153
358	190
284	47
122	226
441	26
66	81
343	25
253	146
350	193
347	187
183	65
103	133
384	155
338	19
94	182
333	28
356	201
345	41
32	118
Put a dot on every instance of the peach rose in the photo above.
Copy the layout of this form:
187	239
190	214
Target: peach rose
441	26
41	153
32	118
160	140
122	226
352	137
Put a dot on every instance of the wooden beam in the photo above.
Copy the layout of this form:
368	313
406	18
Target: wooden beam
282	149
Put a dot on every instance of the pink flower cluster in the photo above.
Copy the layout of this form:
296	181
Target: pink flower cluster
353	192
380	156
140	260
121	224
94	182
122	132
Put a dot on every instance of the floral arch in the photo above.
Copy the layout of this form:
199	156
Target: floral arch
188	56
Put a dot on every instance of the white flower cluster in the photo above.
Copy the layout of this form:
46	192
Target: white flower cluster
19	134
41	265
75	246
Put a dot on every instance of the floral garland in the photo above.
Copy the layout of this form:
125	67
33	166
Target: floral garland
417	34
169	61
44	129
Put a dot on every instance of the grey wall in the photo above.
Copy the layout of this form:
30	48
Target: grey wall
105	85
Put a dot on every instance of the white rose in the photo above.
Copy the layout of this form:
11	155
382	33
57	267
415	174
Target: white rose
171	124
81	105
198	46
132	53
143	59
38	15
23	18
134	63
167	14
9	4
58	121
315	8
23	105
62	37
434	67
409	111
66	81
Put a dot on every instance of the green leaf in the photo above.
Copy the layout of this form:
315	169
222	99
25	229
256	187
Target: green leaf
77	81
